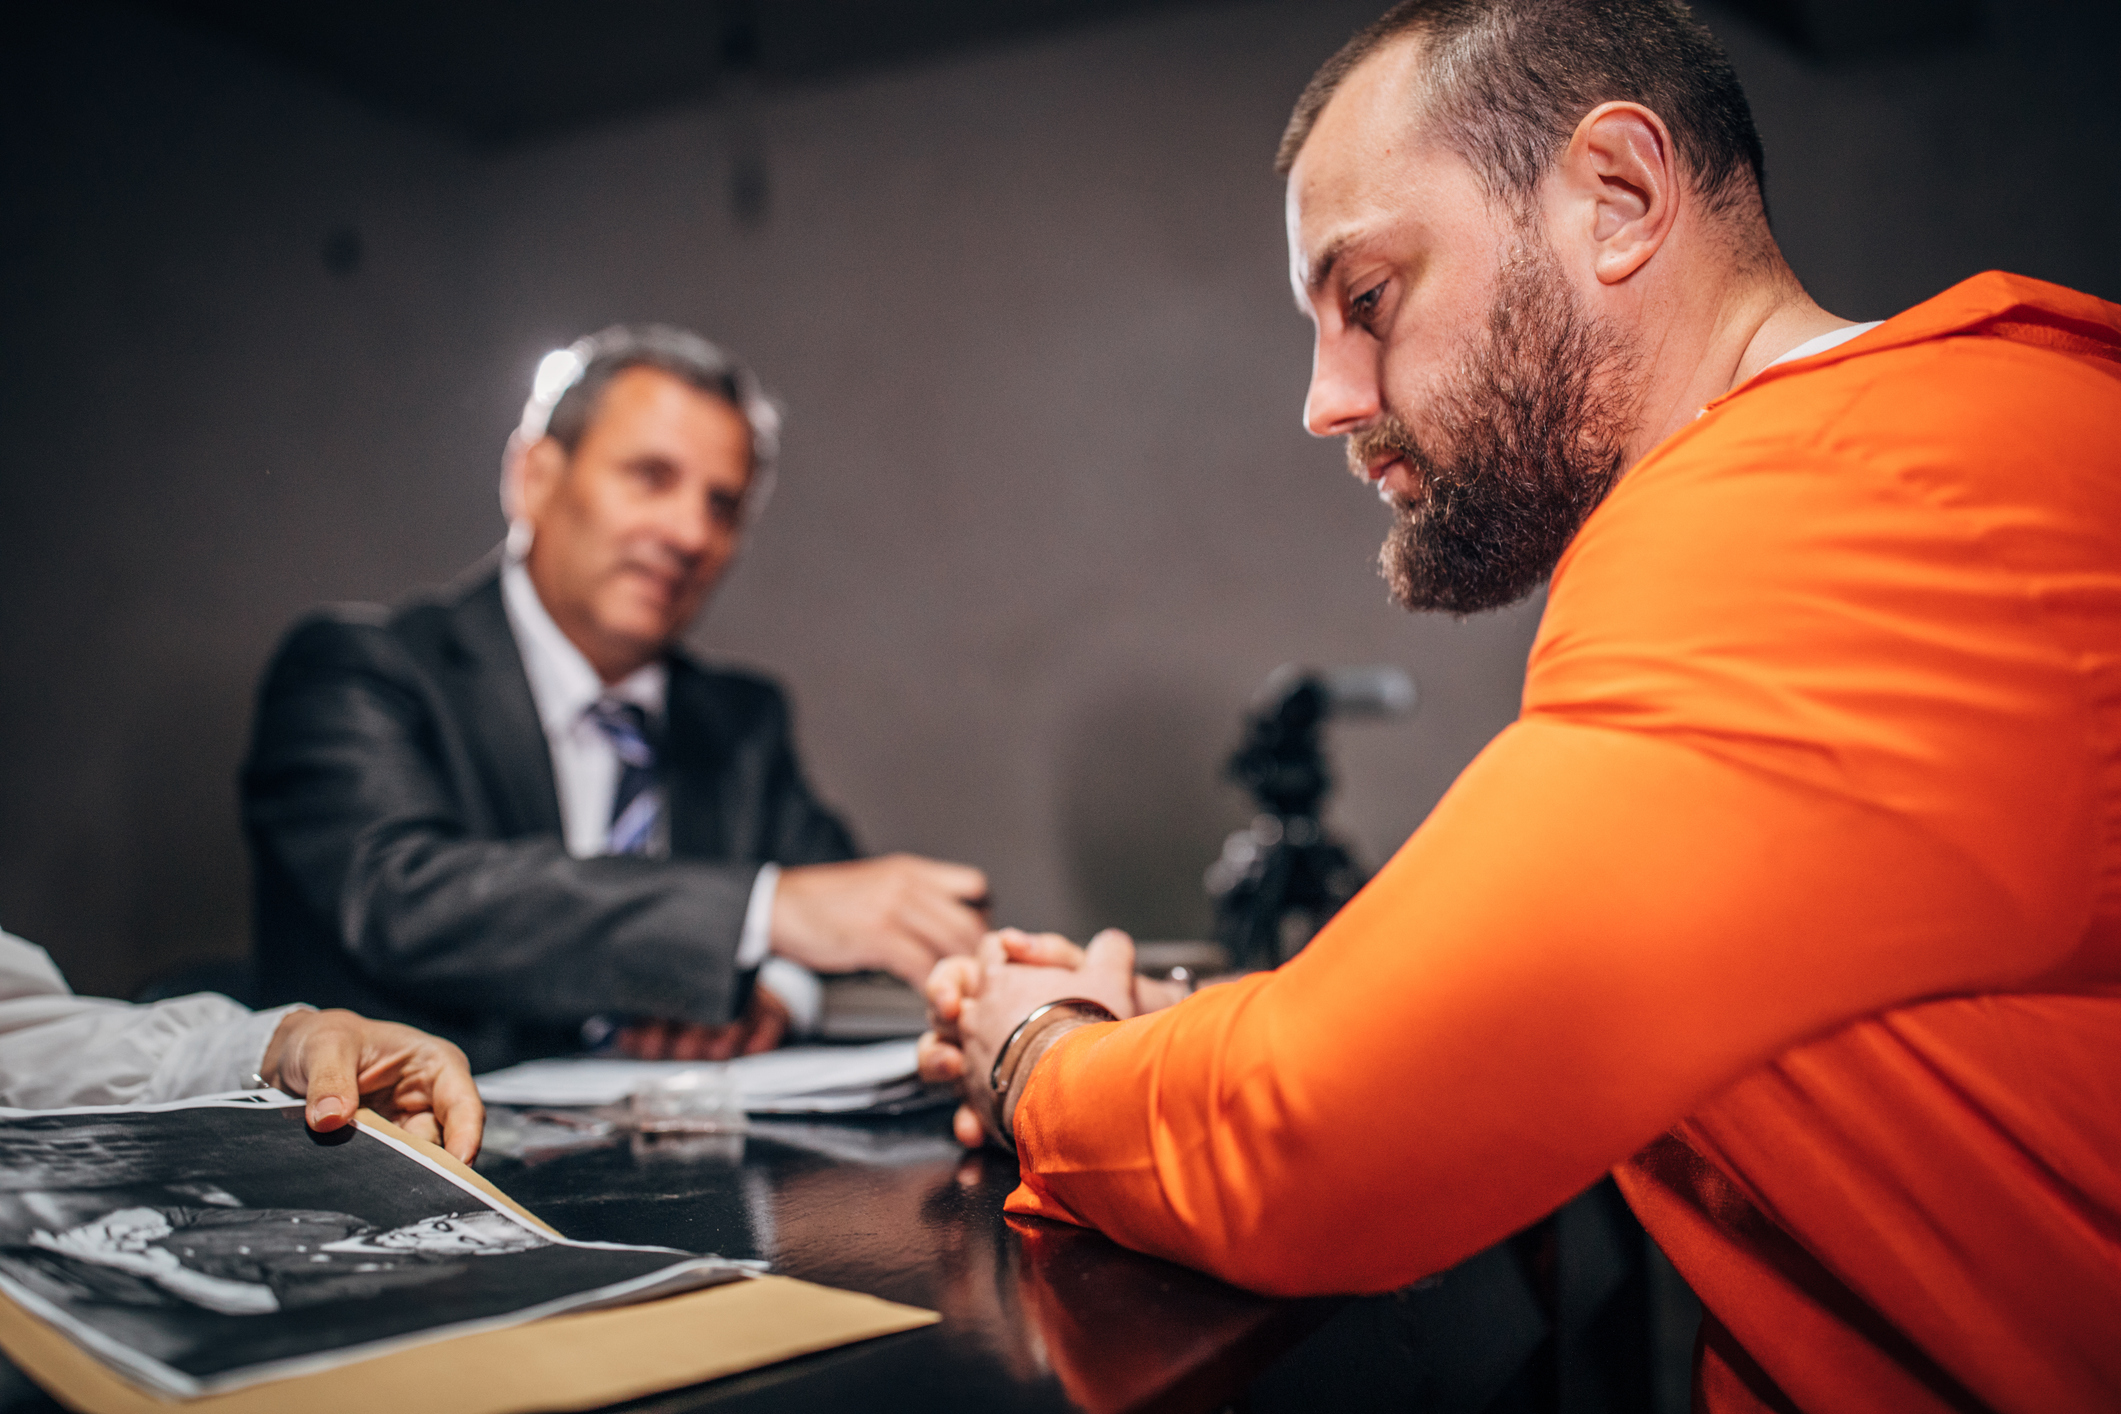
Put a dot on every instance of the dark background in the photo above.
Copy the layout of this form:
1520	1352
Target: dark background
271	290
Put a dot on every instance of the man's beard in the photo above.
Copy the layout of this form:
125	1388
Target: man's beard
1532	432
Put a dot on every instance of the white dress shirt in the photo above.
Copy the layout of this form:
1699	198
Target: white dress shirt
57	1049
585	772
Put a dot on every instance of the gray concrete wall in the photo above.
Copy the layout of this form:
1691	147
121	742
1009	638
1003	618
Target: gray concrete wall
1046	516
201	428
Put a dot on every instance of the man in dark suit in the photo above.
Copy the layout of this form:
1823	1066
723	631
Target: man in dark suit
514	812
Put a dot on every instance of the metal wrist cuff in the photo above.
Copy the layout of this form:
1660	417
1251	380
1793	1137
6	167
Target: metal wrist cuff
994	1076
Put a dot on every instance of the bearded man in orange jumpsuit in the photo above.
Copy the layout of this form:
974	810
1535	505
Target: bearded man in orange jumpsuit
1794	894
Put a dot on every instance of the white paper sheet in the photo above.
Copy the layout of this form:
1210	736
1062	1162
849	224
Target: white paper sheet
797	1080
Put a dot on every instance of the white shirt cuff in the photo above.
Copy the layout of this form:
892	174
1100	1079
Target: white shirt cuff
796	985
799	990
213	1059
756	941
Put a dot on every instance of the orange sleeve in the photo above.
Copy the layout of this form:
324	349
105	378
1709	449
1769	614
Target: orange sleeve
1796	747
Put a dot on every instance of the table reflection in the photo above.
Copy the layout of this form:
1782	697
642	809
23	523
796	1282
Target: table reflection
1036	1315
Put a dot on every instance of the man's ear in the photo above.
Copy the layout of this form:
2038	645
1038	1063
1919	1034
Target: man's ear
529	476
1619	187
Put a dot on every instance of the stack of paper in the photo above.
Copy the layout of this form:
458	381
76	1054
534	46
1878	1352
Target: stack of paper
870	1006
797	1080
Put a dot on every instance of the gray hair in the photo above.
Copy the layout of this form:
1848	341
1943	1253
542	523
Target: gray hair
570	382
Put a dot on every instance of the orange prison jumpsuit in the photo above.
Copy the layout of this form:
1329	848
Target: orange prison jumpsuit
1794	893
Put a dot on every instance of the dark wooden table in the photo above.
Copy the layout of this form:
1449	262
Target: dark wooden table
1036	1315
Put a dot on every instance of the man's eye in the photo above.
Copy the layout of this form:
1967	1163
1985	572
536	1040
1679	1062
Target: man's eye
1363	308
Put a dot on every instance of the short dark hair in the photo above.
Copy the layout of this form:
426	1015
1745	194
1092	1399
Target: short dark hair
1509	80
564	410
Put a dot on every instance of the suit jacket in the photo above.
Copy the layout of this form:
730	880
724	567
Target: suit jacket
407	852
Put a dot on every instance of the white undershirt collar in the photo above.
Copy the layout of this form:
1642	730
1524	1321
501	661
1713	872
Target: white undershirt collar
1832	340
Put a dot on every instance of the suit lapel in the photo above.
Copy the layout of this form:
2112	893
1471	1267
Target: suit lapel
693	748
500	718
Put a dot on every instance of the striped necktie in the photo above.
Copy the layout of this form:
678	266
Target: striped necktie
637	802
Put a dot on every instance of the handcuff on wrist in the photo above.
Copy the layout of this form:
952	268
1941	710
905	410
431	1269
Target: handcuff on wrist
996	1086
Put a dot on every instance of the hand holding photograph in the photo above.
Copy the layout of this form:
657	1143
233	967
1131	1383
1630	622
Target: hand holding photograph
218	1243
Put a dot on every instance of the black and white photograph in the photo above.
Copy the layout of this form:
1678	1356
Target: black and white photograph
205	1246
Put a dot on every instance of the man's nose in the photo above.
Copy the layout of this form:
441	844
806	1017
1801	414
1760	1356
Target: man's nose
687	525
1344	394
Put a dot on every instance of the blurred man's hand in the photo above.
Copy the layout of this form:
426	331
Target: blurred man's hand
899	913
338	1060
763	1026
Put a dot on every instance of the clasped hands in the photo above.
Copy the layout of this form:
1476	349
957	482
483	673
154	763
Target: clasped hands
975	1003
